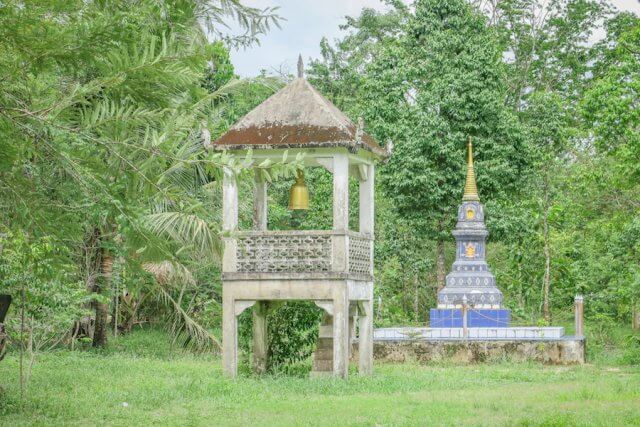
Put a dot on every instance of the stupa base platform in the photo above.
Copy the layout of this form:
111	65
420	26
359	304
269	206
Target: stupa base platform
476	318
546	345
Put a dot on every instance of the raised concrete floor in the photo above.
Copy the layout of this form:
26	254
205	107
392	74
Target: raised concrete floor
423	345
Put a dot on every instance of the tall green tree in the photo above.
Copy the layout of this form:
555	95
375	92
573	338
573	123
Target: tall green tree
549	62
546	44
607	201
437	84
101	109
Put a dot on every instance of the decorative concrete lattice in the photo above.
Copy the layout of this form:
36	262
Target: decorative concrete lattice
284	253
359	255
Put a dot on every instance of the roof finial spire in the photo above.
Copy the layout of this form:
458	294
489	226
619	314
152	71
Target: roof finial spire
470	189
300	67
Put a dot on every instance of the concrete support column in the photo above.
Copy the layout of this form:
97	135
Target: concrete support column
340	332
229	200
340	192
465	317
229	320
229	219
365	340
259	202
229	335
579	316
260	343
260	336
353	317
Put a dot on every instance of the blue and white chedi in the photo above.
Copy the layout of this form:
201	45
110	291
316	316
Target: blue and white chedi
470	281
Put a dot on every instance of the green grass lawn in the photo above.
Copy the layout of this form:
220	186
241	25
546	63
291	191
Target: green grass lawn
138	381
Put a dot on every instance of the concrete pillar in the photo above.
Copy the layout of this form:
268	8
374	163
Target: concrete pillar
353	318
229	335
260	336
339	253
229	219
259	202
340	332
229	200
340	192
260	343
579	315
365	340
465	317
367	201
229	321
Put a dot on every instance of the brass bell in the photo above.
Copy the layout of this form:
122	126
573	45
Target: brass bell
299	194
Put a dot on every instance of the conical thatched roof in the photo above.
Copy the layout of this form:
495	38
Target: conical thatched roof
297	115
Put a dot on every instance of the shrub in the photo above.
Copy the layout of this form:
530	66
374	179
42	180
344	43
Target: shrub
631	355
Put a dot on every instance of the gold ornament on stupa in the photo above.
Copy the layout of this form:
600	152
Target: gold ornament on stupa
470	250
470	188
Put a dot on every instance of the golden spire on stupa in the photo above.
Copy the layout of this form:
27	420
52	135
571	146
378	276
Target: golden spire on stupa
470	189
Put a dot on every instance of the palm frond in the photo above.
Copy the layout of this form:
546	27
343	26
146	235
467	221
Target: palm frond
167	272
189	230
251	20
183	327
108	111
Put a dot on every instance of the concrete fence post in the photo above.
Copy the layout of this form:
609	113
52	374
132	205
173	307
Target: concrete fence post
465	332
579	315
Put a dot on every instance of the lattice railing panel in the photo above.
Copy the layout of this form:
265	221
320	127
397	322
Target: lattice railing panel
284	253
360	255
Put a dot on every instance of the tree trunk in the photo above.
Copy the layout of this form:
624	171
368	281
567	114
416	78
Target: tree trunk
132	305
546	280
416	298
100	331
404	294
102	309
635	318
115	317
441	272
521	295
99	268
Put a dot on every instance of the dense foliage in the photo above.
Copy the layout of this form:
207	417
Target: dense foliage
103	106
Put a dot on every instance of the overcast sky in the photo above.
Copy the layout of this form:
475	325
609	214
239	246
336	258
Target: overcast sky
307	21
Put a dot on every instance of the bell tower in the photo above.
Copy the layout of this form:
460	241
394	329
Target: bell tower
263	268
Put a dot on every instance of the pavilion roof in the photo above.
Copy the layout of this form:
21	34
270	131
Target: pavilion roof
297	116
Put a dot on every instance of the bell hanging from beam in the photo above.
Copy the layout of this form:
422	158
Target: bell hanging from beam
299	194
